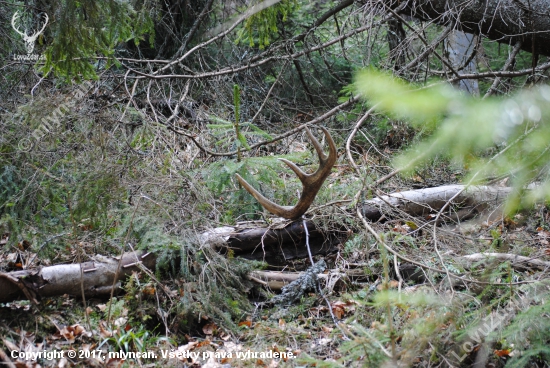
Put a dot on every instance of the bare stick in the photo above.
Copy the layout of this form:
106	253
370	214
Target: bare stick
518	73
513	258
352	134
506	66
268	94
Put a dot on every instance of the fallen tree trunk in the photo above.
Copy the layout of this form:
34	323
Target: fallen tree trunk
515	260
96	278
505	21
273	245
423	202
279	245
250	241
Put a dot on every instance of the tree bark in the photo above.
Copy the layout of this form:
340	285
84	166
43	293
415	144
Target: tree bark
423	202
460	50
276	246
396	36
505	21
96	278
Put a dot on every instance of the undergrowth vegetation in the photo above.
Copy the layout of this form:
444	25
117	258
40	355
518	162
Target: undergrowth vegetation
147	194
141	161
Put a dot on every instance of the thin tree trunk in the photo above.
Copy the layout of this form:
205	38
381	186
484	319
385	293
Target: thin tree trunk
460	50
396	36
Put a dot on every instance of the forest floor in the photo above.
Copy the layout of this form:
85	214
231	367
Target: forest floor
416	317
400	291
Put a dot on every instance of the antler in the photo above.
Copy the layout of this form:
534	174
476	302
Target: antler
13	19
311	182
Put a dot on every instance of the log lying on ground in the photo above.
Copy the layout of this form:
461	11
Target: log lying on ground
276	280
274	245
423	202
515	260
334	278
278	246
96	278
505	21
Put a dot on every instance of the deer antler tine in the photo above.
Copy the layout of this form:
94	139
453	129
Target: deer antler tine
333	153
316	144
311	182
299	173
266	203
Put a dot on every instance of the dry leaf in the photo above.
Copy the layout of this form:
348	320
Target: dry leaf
4	239
104	332
24	245
211	363
502	353
203	343
326	329
209	328
121	321
149	290
245	323
114	363
189	346
392	284
70	333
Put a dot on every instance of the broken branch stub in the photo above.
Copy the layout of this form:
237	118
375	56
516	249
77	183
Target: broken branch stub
311	182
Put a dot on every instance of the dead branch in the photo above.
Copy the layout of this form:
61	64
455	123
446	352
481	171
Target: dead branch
316	120
98	277
254	62
423	202
517	261
502	73
507	65
275	280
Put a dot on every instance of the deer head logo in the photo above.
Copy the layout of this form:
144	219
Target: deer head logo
29	39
